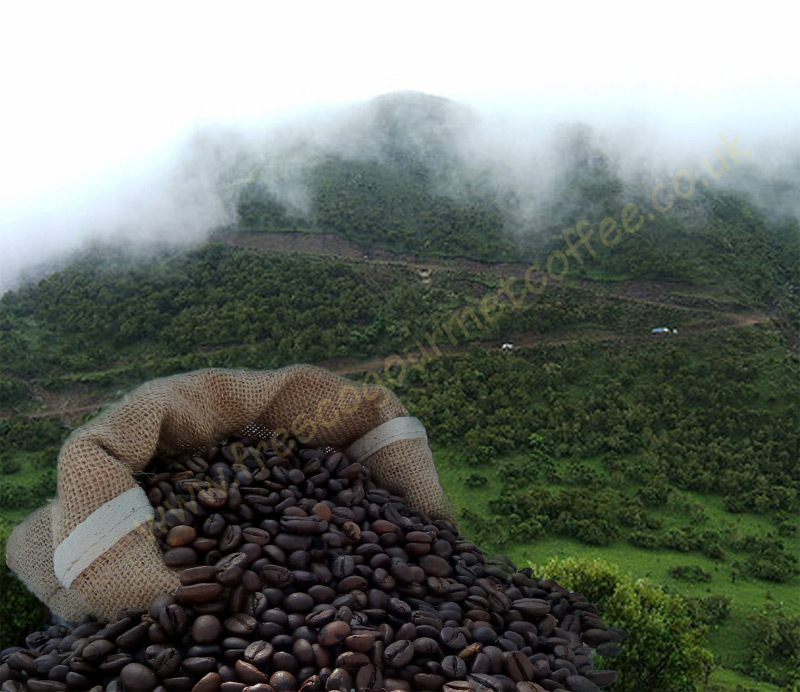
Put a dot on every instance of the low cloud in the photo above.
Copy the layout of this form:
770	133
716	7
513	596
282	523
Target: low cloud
516	150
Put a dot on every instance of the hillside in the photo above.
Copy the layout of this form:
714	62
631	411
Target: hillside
409	188
673	457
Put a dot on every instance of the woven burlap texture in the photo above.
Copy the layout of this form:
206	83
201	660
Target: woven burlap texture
185	414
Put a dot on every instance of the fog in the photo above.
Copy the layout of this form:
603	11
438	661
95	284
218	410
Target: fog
140	127
176	194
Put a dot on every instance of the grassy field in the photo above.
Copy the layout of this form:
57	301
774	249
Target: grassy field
728	639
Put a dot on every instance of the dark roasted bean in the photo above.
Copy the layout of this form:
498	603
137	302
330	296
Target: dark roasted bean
339	582
399	654
206	629
210	682
334	633
180	557
136	676
199	593
241	625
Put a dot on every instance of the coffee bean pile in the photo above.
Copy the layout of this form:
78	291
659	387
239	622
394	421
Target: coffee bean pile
300	574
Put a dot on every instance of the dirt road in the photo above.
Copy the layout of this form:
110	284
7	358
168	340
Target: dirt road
69	407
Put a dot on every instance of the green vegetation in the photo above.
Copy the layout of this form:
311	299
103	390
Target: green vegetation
28	463
109	323
637	454
775	655
674	459
665	649
392	207
20	612
412	193
712	415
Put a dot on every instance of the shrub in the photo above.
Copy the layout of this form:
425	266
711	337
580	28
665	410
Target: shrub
710	610
772	563
644	539
12	392
774	652
666	649
31	434
476	481
8	466
20	611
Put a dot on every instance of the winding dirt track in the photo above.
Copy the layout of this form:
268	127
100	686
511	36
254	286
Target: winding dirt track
69	408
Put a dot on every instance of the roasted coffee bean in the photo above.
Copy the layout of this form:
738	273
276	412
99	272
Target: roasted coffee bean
578	683
322	510
360	642
232	575
532	608
541	669
166	662
180	557
236	599
334	633
399	654
343	566
276	575
351	530
175	517
181	535
352	583
435	566
97	650
241	625
173	620
232	560
458	686
259	653
206	629
252	534
426	646
352	660
213	498
454	667
249	674
231	538
114	663
320	618
283	681
341	585
256	603
198	666
199	593
133	637
210	682
368	677
298	602
518	666
339	680
46	686
213	526
485	683
197	575
136	676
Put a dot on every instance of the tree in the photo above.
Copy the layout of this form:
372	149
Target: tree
20	611
774	652
665	650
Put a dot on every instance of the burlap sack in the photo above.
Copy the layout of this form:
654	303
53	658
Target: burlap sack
189	413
